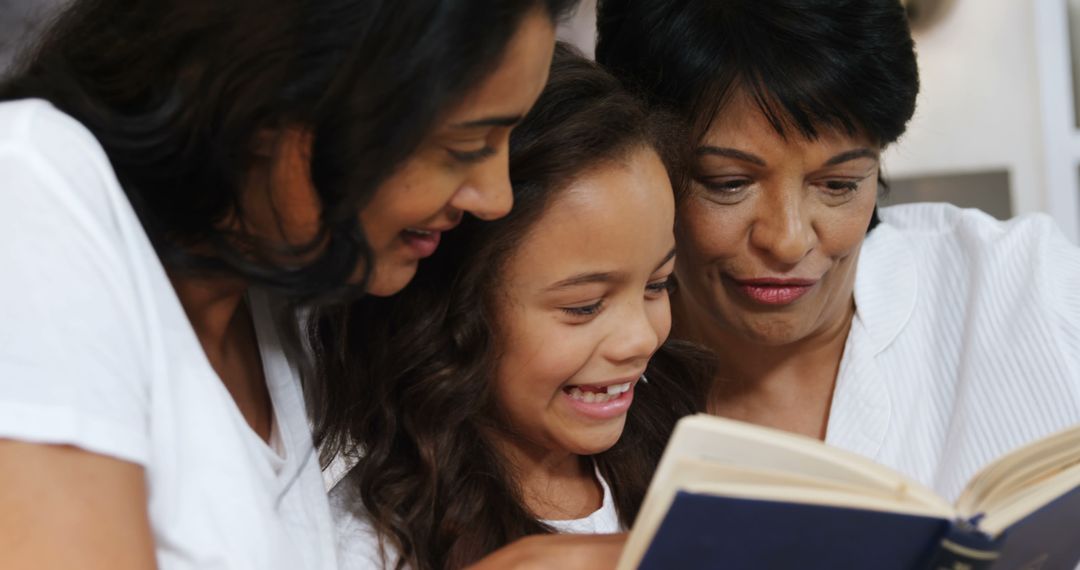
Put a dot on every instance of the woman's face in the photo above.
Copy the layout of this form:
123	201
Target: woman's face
461	166
770	231
583	305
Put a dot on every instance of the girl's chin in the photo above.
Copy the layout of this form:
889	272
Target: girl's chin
593	445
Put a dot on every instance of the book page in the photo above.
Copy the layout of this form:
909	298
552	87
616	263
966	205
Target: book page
1011	509
744	445
1019	470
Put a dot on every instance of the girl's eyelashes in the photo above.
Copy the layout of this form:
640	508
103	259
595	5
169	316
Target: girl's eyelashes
584	311
652	290
472	156
665	285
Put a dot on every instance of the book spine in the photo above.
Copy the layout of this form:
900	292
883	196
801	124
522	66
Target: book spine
965	548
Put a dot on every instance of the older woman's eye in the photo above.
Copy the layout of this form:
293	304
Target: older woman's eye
725	185
841	187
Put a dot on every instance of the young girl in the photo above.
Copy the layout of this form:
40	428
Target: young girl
503	393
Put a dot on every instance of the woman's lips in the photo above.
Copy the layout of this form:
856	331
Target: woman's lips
422	243
774	292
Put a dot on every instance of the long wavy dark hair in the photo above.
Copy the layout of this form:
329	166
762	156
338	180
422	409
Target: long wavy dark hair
411	374
178	92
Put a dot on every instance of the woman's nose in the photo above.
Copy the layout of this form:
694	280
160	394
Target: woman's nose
782	229
486	193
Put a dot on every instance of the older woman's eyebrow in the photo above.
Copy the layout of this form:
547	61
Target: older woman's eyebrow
853	155
500	121
730	153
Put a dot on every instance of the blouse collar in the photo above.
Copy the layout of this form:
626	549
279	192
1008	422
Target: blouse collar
886	285
885	293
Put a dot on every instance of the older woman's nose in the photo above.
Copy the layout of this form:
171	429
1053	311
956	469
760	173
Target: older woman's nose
782	229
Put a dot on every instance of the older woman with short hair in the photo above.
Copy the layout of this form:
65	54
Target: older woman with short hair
929	338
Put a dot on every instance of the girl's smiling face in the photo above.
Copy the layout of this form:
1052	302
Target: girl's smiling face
583	304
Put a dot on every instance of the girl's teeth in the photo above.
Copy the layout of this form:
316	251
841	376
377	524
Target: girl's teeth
598	397
616	389
420	232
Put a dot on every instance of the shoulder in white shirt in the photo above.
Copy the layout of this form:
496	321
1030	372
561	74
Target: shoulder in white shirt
358	544
965	342
97	352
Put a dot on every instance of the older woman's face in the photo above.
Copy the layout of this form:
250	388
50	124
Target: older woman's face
770	231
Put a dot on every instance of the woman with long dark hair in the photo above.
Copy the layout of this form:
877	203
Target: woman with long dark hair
929	338
500	394
173	170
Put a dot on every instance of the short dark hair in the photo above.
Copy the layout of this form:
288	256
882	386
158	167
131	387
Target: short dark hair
408	377
176	92
808	64
847	64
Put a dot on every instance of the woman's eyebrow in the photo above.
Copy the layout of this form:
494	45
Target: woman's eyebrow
853	155
498	121
730	153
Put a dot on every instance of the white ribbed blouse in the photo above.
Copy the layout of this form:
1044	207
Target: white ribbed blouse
965	342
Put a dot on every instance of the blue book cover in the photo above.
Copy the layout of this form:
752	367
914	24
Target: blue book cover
736	496
1047	539
704	531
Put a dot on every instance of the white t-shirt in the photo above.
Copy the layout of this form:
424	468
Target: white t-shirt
965	342
96	352
358	545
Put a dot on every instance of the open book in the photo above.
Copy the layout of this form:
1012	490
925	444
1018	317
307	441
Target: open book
737	496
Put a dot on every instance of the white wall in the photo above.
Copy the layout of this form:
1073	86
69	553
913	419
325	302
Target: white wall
981	105
580	29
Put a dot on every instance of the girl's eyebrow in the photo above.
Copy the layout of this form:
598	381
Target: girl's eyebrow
666	259
601	276
583	278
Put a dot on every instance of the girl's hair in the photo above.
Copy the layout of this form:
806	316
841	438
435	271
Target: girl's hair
182	94
834	64
409	377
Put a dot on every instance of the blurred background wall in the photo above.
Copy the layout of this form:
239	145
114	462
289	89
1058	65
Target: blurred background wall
19	21
996	125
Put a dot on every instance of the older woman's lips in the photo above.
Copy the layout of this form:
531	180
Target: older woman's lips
774	291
